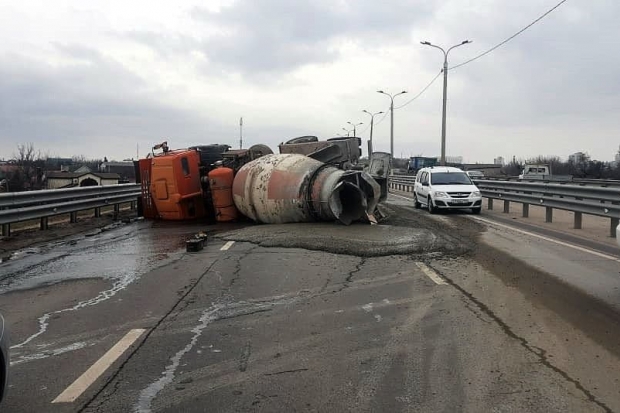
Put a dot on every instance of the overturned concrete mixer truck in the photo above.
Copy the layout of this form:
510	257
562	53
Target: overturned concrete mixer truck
309	180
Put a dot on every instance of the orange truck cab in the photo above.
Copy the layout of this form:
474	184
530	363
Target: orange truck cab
175	186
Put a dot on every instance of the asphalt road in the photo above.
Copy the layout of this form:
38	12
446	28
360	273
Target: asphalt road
420	313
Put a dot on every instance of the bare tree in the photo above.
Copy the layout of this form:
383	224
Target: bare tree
29	171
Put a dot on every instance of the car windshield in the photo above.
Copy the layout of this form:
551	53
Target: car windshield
450	178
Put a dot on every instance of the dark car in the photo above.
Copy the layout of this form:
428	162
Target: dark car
4	358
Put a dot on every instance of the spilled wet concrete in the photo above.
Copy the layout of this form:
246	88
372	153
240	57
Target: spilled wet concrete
394	236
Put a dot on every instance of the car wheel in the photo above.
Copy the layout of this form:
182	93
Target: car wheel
476	211
416	204
431	208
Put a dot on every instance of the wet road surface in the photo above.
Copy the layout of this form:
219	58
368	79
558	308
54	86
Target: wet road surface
418	314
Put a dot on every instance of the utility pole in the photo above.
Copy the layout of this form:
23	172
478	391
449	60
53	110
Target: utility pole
445	94
241	133
391	118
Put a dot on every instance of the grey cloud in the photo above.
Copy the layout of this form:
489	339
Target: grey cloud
167	45
99	107
562	68
275	36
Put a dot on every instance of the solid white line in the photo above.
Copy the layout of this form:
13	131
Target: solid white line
227	246
83	382
431	274
555	241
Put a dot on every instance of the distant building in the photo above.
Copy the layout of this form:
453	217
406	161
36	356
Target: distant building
488	169
82	170
617	157
578	157
499	160
124	169
57	180
453	159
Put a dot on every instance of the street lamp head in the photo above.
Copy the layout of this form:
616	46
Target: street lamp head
380	91
466	41
404	91
365	111
426	43
378	113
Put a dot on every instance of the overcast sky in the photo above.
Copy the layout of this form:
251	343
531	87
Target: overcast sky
106	78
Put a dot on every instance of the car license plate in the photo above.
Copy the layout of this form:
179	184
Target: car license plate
460	201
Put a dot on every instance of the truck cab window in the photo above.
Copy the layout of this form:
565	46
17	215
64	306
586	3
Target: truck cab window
185	166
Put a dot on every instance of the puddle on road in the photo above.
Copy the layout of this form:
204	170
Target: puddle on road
120	255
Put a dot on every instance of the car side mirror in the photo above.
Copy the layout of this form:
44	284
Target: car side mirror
424	183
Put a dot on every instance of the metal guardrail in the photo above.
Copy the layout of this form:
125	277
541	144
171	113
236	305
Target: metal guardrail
25	206
577	198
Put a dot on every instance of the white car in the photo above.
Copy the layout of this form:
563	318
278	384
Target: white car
443	187
618	235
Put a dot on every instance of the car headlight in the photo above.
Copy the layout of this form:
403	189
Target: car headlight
475	193
440	194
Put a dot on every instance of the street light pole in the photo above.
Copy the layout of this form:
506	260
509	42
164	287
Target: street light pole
347	131
372	123
355	125
445	94
391	118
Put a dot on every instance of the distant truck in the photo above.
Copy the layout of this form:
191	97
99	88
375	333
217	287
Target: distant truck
542	172
418	162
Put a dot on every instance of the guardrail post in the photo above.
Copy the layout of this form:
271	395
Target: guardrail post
577	220
44	223
6	230
132	205
97	212
117	210
506	207
490	204
612	229
549	214
73	217
526	210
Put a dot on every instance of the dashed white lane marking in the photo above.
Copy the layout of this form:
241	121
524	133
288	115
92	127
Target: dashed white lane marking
430	273
555	241
227	246
83	382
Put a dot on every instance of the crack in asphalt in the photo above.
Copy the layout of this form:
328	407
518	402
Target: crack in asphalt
118	371
537	351
277	373
245	356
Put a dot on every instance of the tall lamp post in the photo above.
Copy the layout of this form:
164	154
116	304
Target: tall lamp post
347	131
445	93
372	122
355	125
391	118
